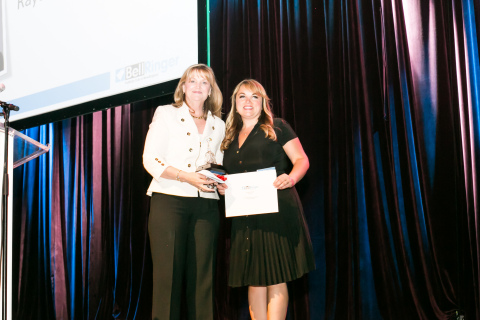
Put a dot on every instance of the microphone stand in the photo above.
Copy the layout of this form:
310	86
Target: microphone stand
5	194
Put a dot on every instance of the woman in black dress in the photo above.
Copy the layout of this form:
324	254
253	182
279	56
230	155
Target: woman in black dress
267	250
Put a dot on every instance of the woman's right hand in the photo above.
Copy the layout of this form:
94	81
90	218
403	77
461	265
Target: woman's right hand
197	180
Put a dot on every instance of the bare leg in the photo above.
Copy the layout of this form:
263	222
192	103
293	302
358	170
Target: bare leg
257	302
277	297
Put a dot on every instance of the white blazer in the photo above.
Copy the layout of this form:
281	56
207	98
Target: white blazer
173	140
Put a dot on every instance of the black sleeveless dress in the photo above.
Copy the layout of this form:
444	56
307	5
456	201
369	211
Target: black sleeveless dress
268	249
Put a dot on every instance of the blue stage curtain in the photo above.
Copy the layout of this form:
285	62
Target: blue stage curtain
384	96
81	219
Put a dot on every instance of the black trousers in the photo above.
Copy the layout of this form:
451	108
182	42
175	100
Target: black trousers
183	239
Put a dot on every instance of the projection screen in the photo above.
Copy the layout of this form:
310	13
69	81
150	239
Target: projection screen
63	58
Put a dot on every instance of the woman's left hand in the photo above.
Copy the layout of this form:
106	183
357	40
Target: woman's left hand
221	188
283	181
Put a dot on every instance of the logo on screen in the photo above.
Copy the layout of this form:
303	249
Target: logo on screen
134	71
120	75
131	72
144	69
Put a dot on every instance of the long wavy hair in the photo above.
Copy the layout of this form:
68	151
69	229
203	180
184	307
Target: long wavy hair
214	100
234	121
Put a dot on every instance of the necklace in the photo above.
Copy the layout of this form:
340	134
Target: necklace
199	118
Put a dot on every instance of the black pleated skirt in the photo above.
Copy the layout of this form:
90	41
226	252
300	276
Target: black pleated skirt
268	249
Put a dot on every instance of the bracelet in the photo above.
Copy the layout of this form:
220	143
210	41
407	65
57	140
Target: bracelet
178	175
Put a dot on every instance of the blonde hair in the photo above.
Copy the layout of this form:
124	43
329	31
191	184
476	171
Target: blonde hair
234	121
215	99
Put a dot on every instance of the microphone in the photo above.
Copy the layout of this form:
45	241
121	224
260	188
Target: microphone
9	106
5	105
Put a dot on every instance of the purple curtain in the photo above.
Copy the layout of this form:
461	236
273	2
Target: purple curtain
385	98
82	220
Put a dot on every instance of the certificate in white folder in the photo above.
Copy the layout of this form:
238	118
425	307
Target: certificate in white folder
251	193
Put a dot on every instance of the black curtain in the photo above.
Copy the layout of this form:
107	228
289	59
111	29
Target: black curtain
385	99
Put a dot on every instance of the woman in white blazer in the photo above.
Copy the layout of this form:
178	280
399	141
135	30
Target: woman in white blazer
183	221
